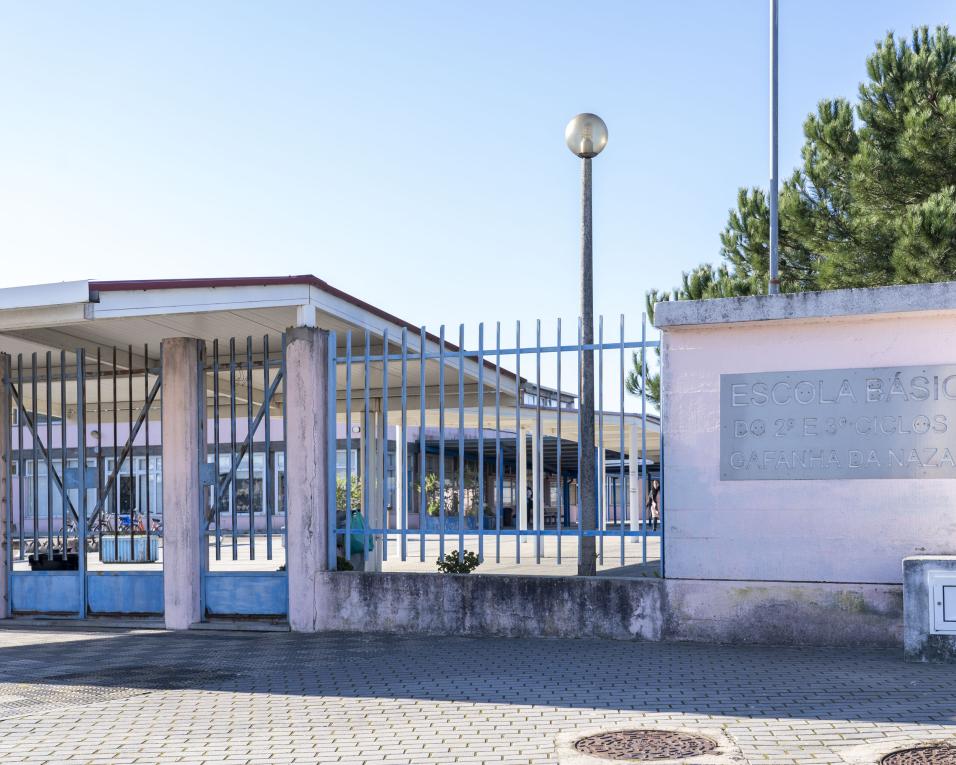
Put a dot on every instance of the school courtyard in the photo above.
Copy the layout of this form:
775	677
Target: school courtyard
81	695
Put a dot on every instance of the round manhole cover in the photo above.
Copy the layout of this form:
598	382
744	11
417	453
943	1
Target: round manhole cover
645	745
938	754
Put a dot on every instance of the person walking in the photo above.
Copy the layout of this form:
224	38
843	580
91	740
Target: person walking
653	504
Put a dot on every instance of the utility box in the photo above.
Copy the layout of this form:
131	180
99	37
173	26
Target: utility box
929	608
942	602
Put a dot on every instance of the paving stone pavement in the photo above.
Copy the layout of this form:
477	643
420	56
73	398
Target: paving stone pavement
90	696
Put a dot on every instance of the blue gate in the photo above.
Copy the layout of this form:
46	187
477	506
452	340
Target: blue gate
84	531
244	515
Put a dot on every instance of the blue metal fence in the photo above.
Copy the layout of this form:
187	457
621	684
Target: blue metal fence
430	442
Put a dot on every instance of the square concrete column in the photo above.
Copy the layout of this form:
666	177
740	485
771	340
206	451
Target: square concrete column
307	387
184	448
6	445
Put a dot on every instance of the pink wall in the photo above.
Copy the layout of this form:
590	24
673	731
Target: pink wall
812	530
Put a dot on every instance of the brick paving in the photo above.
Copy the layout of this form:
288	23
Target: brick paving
124	697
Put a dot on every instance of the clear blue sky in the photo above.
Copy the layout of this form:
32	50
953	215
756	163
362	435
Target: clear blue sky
408	152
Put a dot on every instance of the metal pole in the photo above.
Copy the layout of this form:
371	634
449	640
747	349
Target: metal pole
774	286
587	497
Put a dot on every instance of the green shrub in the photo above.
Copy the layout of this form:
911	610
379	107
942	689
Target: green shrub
451	565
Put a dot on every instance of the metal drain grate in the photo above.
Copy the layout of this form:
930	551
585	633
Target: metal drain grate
937	754
646	745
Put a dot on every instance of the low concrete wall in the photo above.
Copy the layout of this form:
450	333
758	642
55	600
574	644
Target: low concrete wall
475	605
773	613
783	613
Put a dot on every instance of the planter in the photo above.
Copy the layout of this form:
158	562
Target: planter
126	549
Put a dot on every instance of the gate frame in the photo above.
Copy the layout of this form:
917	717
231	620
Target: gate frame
48	586
257	595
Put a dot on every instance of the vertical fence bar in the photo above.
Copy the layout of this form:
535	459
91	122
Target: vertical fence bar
461	442
149	458
99	450
347	545
401	485
644	437
49	455
366	472
601	483
624	491
233	466
580	450
383	463
560	513
7	423
250	450
34	478
131	457
285	448
63	490
499	463
422	498
268	457
115	495
331	440
537	492
481	442
217	515
81	463
519	437
661	499
33	457
441	441
20	461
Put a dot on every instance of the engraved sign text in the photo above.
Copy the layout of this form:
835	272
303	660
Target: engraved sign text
890	422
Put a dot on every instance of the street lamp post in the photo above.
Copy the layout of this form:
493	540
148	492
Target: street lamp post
586	137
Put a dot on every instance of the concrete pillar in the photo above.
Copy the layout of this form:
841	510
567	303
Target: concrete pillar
6	445
521	501
184	447
307	474
635	498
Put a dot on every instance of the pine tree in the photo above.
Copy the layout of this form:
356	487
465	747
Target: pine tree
874	200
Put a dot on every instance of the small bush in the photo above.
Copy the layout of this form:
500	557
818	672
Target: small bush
451	565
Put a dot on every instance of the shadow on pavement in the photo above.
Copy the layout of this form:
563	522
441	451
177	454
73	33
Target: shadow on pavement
742	681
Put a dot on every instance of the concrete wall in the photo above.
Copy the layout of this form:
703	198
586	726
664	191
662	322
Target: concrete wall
783	613
619	609
812	530
475	605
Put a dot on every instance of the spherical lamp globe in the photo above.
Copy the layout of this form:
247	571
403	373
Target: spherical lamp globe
586	135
